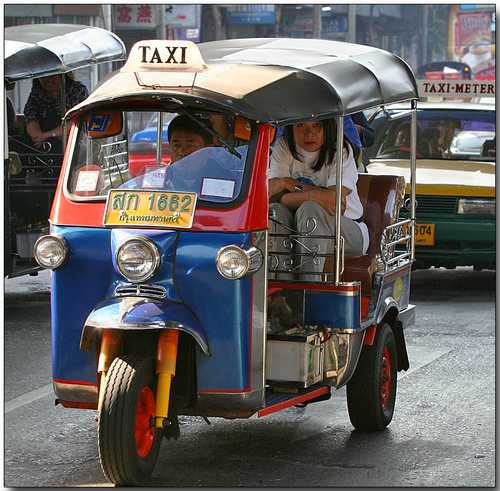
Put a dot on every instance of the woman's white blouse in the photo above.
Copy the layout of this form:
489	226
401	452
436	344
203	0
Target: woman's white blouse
283	164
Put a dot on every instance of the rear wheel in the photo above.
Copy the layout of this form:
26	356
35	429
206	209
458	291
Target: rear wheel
128	440
371	392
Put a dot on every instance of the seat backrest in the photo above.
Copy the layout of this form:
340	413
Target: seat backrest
489	148
382	197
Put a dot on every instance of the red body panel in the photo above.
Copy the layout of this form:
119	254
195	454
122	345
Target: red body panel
249	215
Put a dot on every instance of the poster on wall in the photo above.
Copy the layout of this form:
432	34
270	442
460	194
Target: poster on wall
473	42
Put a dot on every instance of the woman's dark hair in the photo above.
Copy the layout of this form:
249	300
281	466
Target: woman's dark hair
69	77
327	150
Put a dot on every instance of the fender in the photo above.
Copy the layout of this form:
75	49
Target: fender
139	313
398	320
384	307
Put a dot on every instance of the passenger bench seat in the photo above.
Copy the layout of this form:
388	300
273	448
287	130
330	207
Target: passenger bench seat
382	197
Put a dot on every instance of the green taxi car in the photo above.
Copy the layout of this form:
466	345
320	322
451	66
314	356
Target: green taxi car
455	178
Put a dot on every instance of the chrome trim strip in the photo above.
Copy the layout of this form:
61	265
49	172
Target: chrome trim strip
413	177
340	293
141	290
153	326
341	357
75	392
259	317
229	405
339	253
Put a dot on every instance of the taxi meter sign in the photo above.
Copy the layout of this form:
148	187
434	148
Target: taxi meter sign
165	55
456	88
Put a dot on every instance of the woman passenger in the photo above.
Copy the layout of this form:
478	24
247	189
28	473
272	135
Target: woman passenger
302	186
47	103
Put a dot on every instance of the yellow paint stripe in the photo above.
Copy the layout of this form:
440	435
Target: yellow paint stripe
453	190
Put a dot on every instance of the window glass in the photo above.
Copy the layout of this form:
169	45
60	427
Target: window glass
450	135
199	153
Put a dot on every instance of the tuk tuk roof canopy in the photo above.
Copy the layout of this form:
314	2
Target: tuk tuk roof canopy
279	81
38	50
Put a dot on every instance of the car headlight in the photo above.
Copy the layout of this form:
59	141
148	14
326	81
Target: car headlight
467	206
138	259
50	251
233	262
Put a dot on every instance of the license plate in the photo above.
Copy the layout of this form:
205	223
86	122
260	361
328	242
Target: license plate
425	234
156	209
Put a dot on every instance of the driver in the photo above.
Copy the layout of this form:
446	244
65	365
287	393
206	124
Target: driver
185	136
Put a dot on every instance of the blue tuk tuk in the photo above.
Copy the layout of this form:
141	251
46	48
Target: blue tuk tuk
164	273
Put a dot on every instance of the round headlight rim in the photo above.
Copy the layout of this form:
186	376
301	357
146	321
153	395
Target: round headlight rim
53	237
224	249
150	245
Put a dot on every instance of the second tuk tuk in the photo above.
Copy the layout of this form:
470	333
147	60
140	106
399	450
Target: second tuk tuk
33	51
164	273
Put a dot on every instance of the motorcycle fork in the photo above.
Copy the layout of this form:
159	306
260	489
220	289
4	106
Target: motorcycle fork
109	350
165	368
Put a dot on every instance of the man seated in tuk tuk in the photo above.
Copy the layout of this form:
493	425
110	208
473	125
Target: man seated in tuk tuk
185	136
47	103
198	162
302	187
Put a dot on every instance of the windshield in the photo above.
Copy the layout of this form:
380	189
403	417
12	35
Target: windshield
200	153
441	134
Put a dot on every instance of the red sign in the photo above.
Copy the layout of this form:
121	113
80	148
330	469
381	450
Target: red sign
135	16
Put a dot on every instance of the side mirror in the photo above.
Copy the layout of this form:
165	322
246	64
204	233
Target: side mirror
104	124
15	166
242	128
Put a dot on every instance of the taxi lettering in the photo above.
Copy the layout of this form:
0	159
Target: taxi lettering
457	88
174	54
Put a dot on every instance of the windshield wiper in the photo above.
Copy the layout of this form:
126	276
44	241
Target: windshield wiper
230	148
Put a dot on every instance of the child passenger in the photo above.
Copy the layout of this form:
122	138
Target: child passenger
302	186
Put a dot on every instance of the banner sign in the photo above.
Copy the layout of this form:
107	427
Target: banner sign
134	16
456	88
250	14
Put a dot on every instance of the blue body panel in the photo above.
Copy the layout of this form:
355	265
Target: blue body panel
397	287
77	287
223	307
189	274
332	308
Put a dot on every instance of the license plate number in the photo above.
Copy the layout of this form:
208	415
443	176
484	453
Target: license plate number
158	209
425	234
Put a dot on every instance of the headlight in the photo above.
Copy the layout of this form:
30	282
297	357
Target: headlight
137	259
50	251
233	262
476	206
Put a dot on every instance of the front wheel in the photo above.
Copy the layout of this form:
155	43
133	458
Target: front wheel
128	440
371	392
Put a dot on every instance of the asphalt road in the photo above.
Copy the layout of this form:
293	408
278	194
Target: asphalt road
442	434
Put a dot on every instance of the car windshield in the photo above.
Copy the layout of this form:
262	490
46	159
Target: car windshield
118	150
441	134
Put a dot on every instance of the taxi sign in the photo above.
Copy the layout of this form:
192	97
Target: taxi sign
456	88
153	208
165	55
